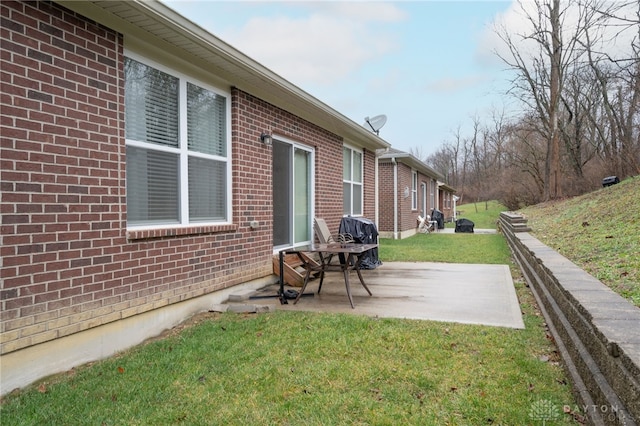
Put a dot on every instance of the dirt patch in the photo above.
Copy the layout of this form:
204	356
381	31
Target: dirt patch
188	323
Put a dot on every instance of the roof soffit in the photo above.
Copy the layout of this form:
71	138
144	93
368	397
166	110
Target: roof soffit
412	162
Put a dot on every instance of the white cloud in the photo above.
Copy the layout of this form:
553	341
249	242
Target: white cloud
324	45
364	11
512	21
515	22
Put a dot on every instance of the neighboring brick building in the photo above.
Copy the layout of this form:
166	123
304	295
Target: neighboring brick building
446	202
408	188
120	222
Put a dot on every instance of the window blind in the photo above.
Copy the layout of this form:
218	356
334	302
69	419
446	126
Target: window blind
151	99
152	186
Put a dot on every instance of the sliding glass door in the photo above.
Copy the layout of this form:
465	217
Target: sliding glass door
292	194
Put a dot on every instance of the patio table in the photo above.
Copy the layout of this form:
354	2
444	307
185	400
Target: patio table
350	255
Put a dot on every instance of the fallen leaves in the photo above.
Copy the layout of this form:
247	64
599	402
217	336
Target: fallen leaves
377	394
579	418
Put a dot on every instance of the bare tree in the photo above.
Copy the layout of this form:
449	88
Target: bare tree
526	155
444	162
618	79
418	152
581	107
498	138
577	107
541	73
451	162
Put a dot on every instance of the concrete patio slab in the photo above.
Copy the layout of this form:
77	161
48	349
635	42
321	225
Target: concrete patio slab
463	293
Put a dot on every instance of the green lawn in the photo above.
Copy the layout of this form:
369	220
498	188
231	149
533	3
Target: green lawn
449	248
484	215
296	368
312	369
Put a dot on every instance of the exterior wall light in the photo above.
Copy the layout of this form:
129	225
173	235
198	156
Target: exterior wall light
266	139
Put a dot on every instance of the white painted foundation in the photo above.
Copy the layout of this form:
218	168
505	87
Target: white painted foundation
23	367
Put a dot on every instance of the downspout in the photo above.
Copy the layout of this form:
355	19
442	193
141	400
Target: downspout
376	213
377	184
455	213
395	198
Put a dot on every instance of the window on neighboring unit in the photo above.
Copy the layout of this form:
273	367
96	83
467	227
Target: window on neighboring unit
432	195
178	166
414	190
352	181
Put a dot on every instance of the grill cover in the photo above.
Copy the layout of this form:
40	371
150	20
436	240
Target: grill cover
438	216
464	225
364	231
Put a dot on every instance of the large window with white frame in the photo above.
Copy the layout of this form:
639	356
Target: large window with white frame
178	165
352	181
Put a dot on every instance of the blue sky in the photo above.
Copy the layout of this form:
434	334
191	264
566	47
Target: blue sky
427	65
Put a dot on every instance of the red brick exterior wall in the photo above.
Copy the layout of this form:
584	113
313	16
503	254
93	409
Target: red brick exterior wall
68	262
328	181
329	190
427	181
446	204
369	190
254	116
406	215
385	201
63	199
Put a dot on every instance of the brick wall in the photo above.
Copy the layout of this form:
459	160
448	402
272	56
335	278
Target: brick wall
428	182
369	190
62	173
255	116
385	201
406	215
68	262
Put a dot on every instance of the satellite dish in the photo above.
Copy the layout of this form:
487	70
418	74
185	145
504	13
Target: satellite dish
375	123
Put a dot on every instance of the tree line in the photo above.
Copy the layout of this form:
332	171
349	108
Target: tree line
576	68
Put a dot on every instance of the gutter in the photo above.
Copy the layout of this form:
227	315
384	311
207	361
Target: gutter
154	22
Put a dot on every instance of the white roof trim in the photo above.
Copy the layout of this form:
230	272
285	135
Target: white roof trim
155	22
